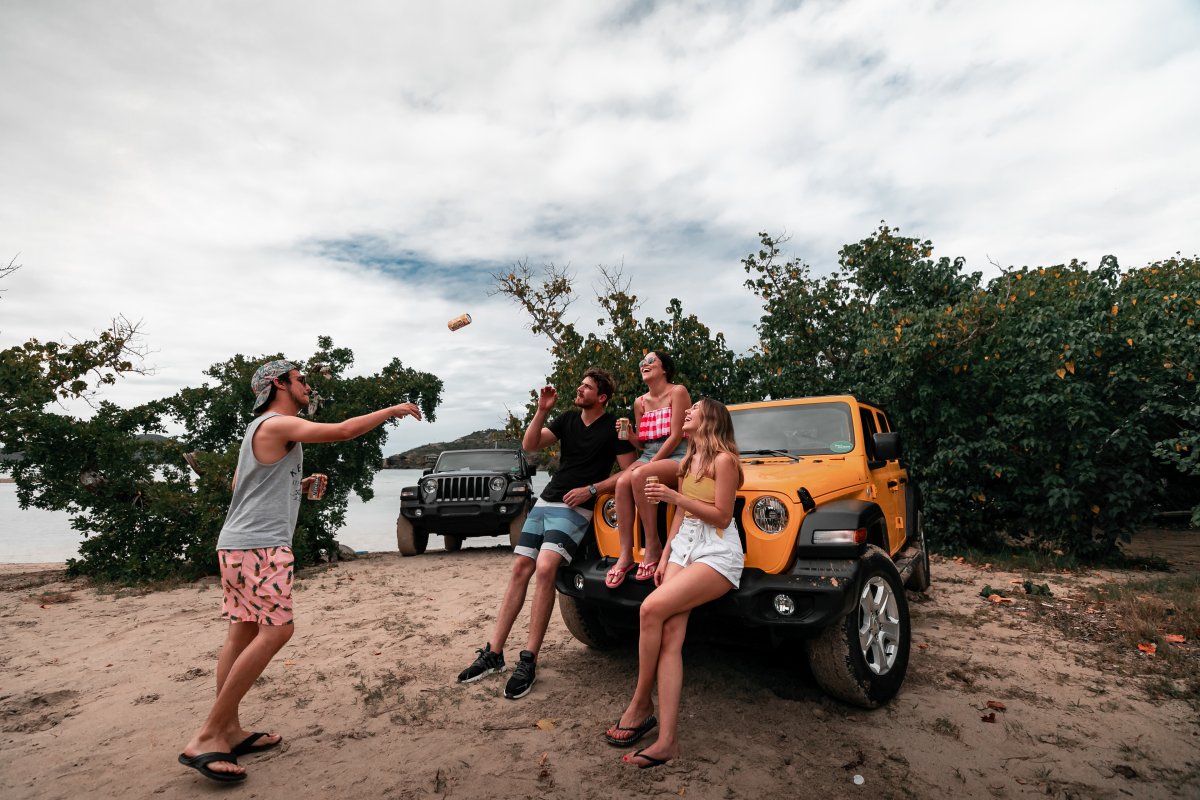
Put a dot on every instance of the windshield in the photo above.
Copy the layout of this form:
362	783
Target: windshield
482	460
802	430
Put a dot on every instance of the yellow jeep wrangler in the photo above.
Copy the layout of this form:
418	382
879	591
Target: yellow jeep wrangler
831	526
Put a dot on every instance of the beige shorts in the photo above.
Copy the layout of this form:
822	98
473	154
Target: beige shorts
257	585
699	543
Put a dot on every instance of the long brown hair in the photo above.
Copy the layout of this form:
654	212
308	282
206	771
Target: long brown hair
713	437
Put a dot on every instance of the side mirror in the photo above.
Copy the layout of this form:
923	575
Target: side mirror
887	446
532	470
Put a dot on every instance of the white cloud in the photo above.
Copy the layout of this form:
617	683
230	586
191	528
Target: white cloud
181	163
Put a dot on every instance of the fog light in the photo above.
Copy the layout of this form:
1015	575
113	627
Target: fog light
503	509
417	512
784	605
578	582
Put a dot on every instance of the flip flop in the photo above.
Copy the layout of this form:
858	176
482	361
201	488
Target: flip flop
619	575
247	746
654	762
638	732
646	571
200	764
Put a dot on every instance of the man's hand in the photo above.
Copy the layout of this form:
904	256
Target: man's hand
306	488
547	398
405	410
577	496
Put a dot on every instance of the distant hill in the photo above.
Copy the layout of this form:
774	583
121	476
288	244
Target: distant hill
425	455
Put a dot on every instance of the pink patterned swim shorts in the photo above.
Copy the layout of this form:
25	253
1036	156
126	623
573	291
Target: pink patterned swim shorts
257	585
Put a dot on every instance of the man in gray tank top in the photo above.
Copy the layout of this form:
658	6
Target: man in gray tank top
255	553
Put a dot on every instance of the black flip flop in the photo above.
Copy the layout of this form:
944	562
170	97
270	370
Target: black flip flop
654	762
638	732
200	764
247	746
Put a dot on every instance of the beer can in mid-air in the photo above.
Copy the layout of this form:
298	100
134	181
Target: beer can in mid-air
459	322
316	489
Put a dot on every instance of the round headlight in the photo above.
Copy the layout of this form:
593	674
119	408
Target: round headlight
609	512
770	515
498	484
429	486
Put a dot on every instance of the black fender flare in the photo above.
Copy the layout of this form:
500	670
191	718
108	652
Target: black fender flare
843	515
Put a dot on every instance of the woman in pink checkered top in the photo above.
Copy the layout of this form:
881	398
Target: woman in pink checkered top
658	418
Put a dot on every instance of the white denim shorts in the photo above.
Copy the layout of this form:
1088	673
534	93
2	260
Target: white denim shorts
700	543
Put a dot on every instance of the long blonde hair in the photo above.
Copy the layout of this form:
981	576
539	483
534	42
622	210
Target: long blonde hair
713	437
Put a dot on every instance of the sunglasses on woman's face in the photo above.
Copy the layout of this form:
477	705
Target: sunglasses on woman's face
648	360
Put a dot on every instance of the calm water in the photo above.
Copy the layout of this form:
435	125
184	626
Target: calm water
35	536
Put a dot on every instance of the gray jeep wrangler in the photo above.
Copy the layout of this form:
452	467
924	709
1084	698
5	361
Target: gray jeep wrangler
466	493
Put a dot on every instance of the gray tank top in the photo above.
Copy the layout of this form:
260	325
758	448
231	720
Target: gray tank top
266	499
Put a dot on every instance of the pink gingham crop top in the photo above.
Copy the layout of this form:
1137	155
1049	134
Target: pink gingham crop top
655	424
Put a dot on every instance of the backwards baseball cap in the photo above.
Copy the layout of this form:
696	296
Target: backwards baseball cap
261	383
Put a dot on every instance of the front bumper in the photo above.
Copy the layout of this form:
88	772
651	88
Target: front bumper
480	518
822	591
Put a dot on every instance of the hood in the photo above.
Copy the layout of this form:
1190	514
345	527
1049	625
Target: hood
821	475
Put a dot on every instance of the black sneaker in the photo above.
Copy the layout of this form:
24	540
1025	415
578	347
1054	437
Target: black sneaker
524	674
485	663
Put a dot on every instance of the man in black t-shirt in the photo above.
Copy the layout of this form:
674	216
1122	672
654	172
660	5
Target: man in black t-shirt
557	524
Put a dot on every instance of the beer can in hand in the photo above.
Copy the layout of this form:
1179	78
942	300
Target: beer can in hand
459	322
316	489
649	480
623	428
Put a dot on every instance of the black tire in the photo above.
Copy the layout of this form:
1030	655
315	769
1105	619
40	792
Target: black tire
453	543
857	659
919	579
514	527
584	623
410	541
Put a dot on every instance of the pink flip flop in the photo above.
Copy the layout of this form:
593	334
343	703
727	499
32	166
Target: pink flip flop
618	575
646	571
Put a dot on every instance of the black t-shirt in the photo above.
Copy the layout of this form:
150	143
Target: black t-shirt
586	454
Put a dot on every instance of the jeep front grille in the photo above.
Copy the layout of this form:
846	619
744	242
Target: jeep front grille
469	488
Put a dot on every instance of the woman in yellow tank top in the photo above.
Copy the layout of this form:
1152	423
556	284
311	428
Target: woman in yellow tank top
701	561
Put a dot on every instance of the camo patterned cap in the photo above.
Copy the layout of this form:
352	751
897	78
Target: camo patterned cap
261	383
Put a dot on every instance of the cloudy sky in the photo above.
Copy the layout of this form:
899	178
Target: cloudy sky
242	177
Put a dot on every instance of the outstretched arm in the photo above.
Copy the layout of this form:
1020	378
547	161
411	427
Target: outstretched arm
283	429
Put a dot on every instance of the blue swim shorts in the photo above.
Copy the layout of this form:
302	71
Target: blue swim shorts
553	526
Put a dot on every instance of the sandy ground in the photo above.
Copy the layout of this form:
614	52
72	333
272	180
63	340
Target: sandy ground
99	693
